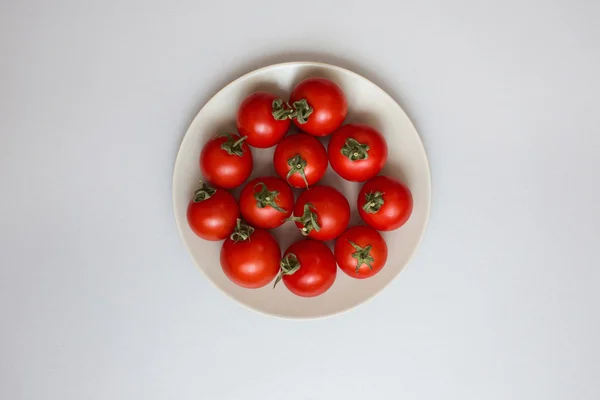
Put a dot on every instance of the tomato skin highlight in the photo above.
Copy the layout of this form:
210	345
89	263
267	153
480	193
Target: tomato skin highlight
223	169
266	217
251	263
310	153
345	253
255	120
327	101
214	218
330	208
368	143
317	270
396	207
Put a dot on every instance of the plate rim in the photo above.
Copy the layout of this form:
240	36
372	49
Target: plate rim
428	200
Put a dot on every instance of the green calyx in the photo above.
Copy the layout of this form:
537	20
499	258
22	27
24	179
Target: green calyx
355	150
242	232
308	220
281	110
362	255
204	193
289	265
302	111
265	198
297	164
233	146
374	202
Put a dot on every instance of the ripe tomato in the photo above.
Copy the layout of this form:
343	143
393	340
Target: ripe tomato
264	119
212	213
226	161
307	268
301	160
357	152
321	213
250	257
320	106
384	203
266	202
360	252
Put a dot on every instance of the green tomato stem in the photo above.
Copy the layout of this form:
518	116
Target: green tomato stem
374	201
355	150
281	110
205	192
308	220
289	265
242	232
302	110
297	164
232	146
362	255
265	198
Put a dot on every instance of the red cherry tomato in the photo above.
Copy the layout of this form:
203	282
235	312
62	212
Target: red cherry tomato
226	161
301	160
360	252
384	203
263	118
266	202
320	105
357	152
250	257
212	213
308	268
321	213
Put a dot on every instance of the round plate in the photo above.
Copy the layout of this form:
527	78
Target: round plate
367	103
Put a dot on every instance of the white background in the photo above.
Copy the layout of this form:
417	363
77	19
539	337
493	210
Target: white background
99	300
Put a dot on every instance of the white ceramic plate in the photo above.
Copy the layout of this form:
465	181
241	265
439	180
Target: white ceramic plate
367	103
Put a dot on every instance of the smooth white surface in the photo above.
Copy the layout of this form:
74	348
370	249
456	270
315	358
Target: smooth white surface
367	103
99	299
